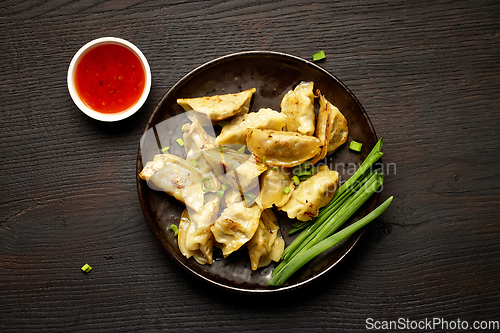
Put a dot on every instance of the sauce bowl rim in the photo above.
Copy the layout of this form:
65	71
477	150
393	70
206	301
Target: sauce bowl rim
99	115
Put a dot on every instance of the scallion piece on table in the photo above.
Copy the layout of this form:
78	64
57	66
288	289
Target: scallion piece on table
165	150
318	56
86	268
180	142
356	146
174	229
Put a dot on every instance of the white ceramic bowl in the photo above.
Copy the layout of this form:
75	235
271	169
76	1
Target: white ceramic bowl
104	116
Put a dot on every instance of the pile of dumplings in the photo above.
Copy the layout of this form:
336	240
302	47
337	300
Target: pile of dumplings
229	183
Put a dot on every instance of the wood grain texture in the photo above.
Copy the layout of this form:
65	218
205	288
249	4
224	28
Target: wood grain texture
427	73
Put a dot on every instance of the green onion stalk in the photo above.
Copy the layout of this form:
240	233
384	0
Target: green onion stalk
345	202
304	257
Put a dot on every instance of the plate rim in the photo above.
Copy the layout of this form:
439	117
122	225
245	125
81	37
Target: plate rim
272	289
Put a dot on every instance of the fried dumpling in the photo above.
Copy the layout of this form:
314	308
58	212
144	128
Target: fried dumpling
176	177
337	130
298	105
233	168
312	194
235	226
195	238
283	149
219	107
267	244
195	140
324	124
273	184
235	131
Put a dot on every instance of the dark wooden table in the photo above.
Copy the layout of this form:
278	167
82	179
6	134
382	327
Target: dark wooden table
427	73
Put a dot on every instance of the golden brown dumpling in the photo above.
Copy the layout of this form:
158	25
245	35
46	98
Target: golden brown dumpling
235	131
219	107
195	238
267	244
337	129
323	128
236	226
176	177
283	149
233	168
312	194
273	183
298	105
195	140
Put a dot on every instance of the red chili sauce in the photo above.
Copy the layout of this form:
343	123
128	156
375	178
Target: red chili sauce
109	78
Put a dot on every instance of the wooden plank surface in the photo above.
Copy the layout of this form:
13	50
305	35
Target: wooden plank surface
427	73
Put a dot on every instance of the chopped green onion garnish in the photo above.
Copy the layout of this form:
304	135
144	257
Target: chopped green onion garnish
242	149
222	123
220	192
174	229
182	129
194	163
296	180
318	56
264	160
222	148
304	173
286	190
204	188
165	150
249	196
180	142
275	168
86	268
356	146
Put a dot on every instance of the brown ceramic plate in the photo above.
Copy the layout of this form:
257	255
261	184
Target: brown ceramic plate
272	74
